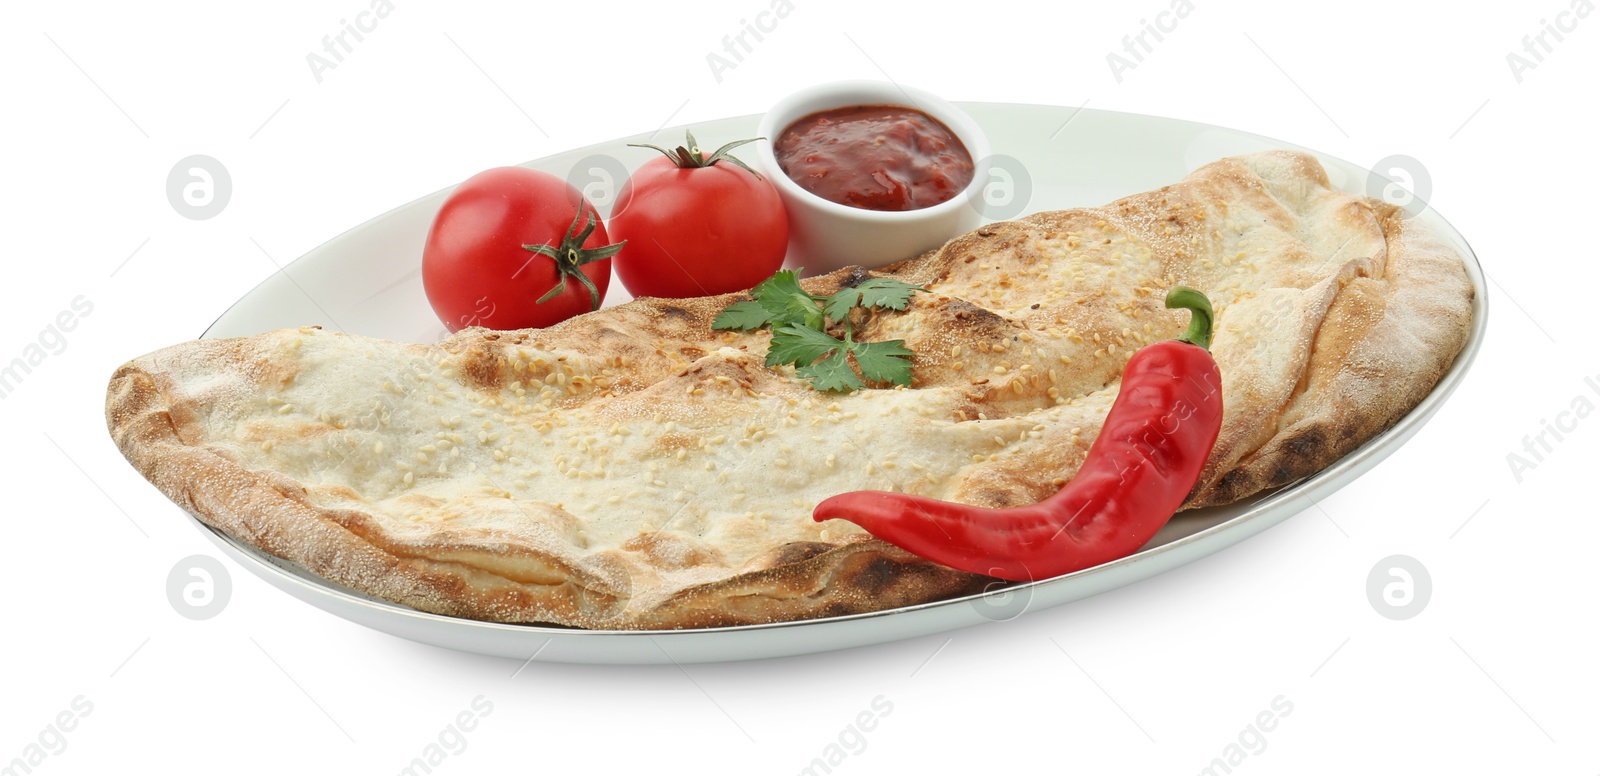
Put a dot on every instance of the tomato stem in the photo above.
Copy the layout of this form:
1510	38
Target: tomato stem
570	256
689	155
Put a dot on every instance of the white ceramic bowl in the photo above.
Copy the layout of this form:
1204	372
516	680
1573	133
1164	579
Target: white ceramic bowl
825	235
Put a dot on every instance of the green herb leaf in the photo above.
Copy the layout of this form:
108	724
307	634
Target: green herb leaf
874	292
888	361
743	316
886	292
786	302
777	292
799	323
800	345
832	373
841	303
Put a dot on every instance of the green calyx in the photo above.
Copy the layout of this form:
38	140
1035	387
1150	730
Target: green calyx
570	256
1201	318
688	155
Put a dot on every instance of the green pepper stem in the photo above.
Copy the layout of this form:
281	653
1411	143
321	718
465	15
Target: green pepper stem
1201	317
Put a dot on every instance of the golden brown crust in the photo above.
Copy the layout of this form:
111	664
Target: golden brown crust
1391	331
632	468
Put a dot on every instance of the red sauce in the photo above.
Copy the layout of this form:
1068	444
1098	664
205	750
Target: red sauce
876	157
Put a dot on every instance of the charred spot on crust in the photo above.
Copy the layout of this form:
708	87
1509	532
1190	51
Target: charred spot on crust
795	552
481	368
876	575
1232	481
1282	476
1307	444
856	277
973	318
691	352
995	499
677	314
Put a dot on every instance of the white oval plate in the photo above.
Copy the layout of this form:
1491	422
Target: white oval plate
368	281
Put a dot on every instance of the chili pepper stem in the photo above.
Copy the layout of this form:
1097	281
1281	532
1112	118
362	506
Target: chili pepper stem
1201	317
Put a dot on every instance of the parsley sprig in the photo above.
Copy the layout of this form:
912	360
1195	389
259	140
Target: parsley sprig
799	324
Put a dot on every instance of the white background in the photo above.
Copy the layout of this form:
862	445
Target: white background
1496	675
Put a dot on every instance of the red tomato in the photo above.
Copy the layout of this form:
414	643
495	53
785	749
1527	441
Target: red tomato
514	248
697	230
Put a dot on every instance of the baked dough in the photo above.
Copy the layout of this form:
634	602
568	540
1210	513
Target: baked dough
634	469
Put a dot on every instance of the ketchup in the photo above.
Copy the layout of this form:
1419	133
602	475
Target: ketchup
875	157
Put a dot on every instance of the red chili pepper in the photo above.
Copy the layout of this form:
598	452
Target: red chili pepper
1148	456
